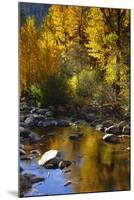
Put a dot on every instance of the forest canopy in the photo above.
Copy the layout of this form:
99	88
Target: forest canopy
78	55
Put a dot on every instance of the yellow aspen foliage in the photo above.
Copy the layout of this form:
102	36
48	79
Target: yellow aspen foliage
29	54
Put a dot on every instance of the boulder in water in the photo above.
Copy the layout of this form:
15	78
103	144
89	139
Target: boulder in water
48	156
111	138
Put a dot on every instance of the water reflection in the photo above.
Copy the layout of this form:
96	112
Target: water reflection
96	166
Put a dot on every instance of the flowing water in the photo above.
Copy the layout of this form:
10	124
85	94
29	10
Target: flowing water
96	166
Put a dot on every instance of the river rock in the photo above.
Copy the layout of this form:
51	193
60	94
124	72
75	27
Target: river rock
22	118
64	163
25	185
22	152
75	136
99	127
96	122
22	124
29	121
122	124
35	151
21	169
24	132
26	157
107	123
67	183
126	129
113	129
47	123
48	156
42	111
90	117
33	178
49	114
63	123
33	137
53	163
110	138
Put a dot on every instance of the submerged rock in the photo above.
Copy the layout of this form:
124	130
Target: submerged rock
64	163
33	178
75	136
110	138
67	183
25	184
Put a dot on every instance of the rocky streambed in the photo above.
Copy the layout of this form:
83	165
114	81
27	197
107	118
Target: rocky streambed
92	153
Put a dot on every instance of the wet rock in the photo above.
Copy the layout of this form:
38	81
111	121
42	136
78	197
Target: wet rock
61	109
49	114
25	185
126	129
107	123
67	183
122	124
35	151
22	118
90	117
123	138
26	157
22	124
63	123
47	123
64	163
96	122
48	157
99	127
113	129
128	148
22	146
52	164
33	137
24	132
42	111
111	138
75	136
21	169
22	152
80	122
67	171
24	107
29	121
33	178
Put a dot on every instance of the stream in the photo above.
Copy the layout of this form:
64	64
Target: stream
96	166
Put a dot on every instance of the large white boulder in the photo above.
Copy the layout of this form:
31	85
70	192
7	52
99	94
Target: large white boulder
47	156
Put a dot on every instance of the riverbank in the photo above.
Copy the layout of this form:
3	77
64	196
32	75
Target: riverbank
41	129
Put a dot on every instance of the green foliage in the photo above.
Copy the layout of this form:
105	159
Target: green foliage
55	90
110	38
35	92
87	83
105	94
78	55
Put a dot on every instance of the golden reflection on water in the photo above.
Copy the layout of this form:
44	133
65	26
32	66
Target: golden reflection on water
96	166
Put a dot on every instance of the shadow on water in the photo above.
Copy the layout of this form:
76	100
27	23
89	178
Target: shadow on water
96	166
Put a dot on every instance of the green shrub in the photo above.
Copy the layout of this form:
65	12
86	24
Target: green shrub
35	92
55	90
